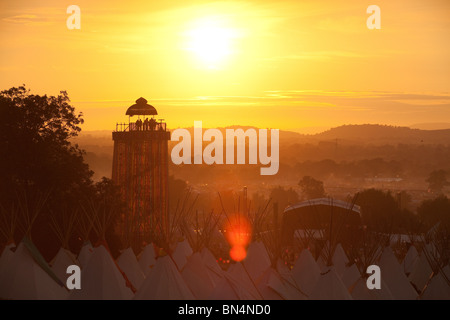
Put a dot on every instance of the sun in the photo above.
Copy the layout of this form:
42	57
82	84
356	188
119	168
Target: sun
210	42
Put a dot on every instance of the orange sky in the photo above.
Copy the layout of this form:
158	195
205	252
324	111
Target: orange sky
277	64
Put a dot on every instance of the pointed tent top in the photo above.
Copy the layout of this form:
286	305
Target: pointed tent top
141	108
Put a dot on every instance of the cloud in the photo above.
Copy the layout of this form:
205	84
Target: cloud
317	55
28	20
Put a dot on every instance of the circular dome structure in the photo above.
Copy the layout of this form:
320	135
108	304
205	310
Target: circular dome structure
141	108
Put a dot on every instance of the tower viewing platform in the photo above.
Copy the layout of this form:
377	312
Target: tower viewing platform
144	127
140	170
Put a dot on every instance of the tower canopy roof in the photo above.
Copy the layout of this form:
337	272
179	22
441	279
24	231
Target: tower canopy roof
141	108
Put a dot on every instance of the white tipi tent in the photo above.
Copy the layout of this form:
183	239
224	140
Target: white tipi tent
128	263
409	259
85	254
213	269
64	258
147	259
437	289
27	275
8	221
257	260
359	291
306	272
340	259
181	253
329	286
24	278
101	279
235	285
61	261
85	224
421	272
395	278
197	277
164	282
242	282
225	290
350	276
6	256
272	286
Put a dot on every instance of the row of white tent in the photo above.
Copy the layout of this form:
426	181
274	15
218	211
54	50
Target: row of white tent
197	275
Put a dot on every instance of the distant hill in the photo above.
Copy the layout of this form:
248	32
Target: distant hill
345	143
383	134
431	126
101	141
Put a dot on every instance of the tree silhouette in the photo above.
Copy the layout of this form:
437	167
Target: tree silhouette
434	211
284	197
34	139
381	211
311	187
38	157
437	180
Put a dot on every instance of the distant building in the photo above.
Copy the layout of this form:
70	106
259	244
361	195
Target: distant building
319	219
140	169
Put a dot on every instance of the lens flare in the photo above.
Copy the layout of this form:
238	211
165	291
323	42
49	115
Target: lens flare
238	253
238	234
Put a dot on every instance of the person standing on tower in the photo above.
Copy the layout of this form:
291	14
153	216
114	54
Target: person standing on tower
152	124
138	124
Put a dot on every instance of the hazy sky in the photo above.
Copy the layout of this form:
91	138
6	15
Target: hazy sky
277	64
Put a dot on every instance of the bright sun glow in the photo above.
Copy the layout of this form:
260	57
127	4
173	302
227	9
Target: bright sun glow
210	42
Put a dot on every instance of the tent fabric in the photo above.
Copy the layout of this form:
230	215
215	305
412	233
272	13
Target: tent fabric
350	276
196	276
359	291
421	272
284	271
437	289
242	282
24	279
164	282
6	256
329	286
395	279
273	286
61	261
85	254
306	272
101	279
213	269
409	259
181	253
257	260
128	263
340	260
147	259
224	290
39	259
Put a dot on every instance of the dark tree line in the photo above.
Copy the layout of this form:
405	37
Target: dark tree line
39	163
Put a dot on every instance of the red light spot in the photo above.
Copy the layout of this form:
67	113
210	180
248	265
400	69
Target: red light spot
238	234
238	253
238	231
